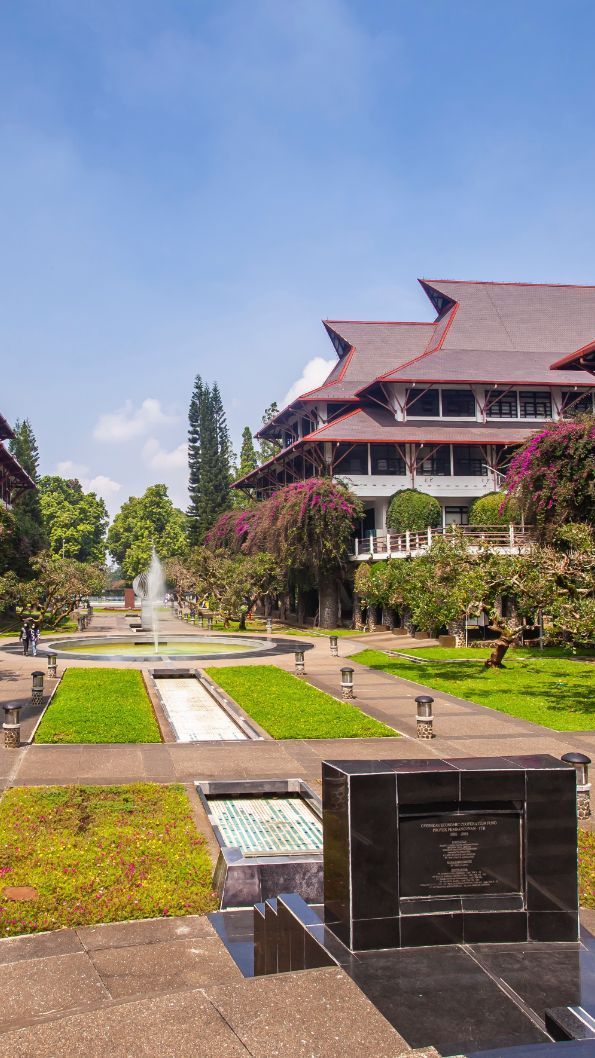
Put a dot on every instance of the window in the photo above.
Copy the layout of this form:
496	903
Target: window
575	403
458	404
433	461
501	405
424	404
456	515
387	460
351	459
535	404
468	461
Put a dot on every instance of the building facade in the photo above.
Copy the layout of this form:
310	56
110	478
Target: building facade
437	406
13	479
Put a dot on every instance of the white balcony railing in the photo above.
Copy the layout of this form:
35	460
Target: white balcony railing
510	538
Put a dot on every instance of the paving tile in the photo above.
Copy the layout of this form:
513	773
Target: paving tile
316	1014
145	931
39	945
165	966
39	987
179	1026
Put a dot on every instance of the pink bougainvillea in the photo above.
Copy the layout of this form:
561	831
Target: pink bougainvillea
553	474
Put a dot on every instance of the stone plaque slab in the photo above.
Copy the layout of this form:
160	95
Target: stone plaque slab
459	853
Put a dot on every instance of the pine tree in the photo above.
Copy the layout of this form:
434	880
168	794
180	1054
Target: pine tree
209	459
30	535
194	458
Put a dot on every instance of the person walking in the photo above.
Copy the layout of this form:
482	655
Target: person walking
34	639
26	637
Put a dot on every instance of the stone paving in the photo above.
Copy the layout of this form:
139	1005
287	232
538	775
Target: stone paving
167	988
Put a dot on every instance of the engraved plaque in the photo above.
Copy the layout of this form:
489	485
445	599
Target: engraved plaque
459	854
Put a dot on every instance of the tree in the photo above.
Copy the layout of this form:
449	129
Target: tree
410	509
248	456
28	533
57	588
552	475
143	523
209	460
307	526
268	448
495	508
232	583
75	521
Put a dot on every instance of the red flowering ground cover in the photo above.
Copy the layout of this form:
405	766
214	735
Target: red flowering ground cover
100	854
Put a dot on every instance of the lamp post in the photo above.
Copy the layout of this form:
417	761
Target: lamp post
347	682
52	665
300	669
334	643
37	688
12	725
425	716
583	787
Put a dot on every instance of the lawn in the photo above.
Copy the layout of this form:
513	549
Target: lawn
288	707
100	705
556	692
100	854
586	852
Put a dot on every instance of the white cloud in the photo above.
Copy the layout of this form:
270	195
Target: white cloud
313	375
130	421
101	484
160	459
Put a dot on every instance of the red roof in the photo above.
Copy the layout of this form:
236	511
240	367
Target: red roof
581	360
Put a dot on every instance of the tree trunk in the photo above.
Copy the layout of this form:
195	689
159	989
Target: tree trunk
407	622
242	624
268	606
300	605
327	602
388	617
371	618
357	621
456	628
500	647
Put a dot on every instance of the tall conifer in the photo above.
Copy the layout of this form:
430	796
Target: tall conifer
209	459
30	536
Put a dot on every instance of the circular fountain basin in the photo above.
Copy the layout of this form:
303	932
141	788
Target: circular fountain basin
199	648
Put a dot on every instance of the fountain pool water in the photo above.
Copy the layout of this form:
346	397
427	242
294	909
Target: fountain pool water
114	648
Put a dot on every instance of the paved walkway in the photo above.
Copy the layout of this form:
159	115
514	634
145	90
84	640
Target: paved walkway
167	988
463	729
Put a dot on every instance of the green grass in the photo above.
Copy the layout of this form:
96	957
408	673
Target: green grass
100	705
586	852
555	692
288	707
308	631
100	854
480	653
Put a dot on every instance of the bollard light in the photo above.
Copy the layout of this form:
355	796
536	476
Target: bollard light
580	764
300	665
52	665
209	623
12	725
334	642
425	716
37	681
269	626
347	682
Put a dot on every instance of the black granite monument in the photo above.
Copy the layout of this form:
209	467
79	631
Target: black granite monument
450	851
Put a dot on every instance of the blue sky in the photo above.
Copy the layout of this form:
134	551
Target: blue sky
190	186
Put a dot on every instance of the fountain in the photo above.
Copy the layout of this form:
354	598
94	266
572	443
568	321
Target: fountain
151	588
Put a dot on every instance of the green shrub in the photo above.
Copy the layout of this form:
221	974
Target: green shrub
485	510
410	509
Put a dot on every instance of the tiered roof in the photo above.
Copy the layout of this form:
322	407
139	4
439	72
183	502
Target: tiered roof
498	334
9	464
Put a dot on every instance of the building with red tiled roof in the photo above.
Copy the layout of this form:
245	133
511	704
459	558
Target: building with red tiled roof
13	479
439	406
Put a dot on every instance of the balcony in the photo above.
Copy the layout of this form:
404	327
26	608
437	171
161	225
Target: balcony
511	539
